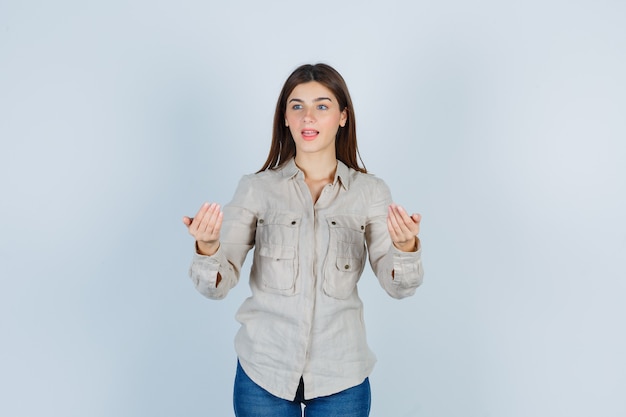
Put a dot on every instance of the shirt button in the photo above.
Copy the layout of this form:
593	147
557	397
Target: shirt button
334	223
261	221
346	267
293	223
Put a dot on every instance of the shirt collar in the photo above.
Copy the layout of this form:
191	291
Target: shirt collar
290	169
342	175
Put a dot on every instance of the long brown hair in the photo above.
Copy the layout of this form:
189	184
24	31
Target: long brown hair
283	147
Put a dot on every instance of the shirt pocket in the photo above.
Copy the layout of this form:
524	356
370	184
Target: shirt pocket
276	258
345	259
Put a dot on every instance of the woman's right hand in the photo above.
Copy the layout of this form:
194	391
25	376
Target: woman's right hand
205	228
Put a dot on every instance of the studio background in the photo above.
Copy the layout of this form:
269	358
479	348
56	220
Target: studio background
501	122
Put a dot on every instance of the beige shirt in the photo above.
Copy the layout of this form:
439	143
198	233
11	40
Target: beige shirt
305	318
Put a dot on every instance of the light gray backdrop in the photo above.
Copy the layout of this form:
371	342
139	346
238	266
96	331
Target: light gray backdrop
503	123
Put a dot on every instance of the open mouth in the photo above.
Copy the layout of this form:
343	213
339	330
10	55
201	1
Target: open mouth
309	134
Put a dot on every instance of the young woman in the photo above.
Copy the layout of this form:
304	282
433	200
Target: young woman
313	215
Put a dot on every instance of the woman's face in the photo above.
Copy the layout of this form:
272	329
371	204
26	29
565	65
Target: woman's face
313	117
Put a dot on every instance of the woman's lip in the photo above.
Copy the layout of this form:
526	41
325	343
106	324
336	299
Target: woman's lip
309	134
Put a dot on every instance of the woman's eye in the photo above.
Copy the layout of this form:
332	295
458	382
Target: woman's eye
296	107
322	107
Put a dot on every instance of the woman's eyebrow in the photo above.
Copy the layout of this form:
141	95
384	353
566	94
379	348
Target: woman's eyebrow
315	100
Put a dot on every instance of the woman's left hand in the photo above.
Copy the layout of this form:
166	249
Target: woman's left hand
403	229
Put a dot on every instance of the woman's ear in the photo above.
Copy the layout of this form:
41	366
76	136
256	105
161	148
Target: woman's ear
344	117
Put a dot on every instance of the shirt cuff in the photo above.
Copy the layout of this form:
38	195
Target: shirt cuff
203	272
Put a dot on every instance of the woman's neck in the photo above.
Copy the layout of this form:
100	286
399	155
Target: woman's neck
317	169
318	172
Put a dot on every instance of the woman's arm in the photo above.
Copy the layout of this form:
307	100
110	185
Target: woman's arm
393	246
223	240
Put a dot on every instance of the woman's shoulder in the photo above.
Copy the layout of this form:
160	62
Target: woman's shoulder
259	180
364	179
265	175
285	170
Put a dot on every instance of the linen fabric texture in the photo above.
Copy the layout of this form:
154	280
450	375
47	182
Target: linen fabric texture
305	317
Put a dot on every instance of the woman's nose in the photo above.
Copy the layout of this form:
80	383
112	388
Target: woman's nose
308	115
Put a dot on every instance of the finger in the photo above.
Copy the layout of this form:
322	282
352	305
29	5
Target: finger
403	220
392	233
187	220
213	234
216	214
403	215
212	223
394	227
200	214
218	225
196	221
417	218
392	219
208	219
408	225
398	236
411	222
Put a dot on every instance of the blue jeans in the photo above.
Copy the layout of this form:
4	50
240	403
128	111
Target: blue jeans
250	400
